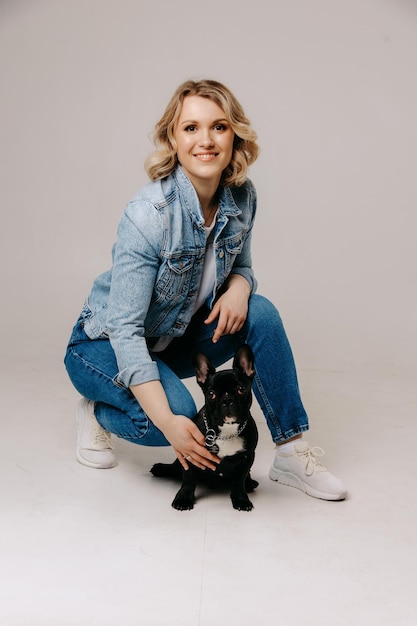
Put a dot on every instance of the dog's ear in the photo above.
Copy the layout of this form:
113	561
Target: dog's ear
203	367
244	359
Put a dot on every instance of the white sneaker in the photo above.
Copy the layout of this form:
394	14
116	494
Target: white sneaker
300	468
94	446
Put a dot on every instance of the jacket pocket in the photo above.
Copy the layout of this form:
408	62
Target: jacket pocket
231	248
174	277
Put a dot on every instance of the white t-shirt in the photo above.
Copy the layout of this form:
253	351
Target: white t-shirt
206	285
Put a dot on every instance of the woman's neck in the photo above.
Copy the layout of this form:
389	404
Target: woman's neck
209	200
210	212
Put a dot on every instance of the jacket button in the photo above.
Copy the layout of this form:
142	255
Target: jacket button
221	254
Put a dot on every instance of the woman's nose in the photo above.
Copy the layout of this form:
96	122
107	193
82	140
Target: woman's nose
206	140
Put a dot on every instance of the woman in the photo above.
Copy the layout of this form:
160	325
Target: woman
181	282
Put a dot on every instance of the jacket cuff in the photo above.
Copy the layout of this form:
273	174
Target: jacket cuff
249	275
134	376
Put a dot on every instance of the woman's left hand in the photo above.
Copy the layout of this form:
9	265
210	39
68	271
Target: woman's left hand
231	308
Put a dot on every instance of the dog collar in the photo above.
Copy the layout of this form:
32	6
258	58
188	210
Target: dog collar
212	436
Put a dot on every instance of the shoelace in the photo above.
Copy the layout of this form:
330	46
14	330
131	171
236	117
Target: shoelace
311	463
100	438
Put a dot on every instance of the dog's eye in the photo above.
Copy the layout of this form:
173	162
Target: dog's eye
241	390
212	395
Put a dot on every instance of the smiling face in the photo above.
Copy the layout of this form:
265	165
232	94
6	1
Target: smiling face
204	140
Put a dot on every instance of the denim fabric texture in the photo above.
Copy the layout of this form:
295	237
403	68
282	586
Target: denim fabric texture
93	369
152	286
150	292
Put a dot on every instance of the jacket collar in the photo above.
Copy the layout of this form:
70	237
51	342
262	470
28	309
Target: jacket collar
227	204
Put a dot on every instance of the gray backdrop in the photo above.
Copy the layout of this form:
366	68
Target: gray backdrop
330	86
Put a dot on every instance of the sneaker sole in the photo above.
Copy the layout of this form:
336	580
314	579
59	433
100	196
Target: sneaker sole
291	480
83	461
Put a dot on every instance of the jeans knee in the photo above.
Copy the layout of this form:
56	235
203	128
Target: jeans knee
182	403
261	310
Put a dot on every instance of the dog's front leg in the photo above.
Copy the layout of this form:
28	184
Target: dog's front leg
238	493
239	497
184	500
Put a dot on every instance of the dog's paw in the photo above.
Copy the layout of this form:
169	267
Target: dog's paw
183	504
158	469
242	504
167	470
184	500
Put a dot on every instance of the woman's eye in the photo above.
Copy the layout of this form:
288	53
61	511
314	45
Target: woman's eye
220	127
189	129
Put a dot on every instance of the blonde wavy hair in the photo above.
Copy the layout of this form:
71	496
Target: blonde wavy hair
245	149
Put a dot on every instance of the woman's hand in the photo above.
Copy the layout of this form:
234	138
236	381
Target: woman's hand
188	443
181	432
231	308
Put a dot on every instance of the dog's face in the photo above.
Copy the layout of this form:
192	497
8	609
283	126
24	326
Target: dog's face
228	393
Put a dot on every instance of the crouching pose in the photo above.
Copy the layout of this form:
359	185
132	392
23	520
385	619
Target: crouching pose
182	282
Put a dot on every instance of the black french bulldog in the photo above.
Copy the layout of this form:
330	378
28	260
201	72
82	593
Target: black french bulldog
229	429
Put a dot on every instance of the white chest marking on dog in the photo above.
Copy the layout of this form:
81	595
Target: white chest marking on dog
229	447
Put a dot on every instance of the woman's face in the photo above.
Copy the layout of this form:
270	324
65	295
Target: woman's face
204	140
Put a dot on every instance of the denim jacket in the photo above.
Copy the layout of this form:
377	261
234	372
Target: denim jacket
158	257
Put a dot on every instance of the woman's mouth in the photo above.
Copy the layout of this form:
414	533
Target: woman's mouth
206	156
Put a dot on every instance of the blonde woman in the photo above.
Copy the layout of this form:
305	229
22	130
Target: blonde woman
181	282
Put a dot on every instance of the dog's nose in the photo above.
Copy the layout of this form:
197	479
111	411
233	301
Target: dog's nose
227	399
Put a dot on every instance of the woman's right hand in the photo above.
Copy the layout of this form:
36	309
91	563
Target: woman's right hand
181	432
188	443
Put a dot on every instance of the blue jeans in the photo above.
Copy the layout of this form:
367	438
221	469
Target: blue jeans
91	365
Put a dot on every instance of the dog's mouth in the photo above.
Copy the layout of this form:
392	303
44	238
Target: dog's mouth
229	419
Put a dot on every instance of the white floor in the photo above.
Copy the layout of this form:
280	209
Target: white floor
82	547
